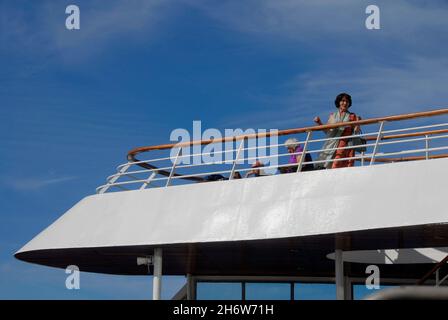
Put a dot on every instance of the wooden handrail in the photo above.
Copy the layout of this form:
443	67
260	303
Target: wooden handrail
434	269
135	151
407	135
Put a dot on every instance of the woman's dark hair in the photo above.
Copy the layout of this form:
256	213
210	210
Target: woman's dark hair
340	97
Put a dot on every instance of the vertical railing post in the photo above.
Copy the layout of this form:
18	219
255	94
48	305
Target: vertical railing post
427	147
236	159
378	139
173	167
114	179
305	148
148	181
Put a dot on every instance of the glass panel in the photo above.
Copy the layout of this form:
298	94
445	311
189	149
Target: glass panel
314	291
268	291
218	291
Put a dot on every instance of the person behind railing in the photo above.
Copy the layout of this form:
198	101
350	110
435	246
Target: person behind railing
343	102
212	177
215	177
296	150
256	171
236	175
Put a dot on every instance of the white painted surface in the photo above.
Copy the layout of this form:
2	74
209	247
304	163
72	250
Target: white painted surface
157	275
395	256
289	205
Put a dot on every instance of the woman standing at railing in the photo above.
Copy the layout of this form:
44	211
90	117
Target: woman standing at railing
343	102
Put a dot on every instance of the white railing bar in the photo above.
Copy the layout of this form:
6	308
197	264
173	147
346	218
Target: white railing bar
242	159
126	174
144	161
379	155
128	182
224	162
345	137
201	174
426	137
179	152
148	181
228	162
141	171
228	171
382	155
416	128
269	156
107	185
236	159
437	137
113	185
305	146
340	148
368	134
378	138
134	182
335	160
120	187
350	147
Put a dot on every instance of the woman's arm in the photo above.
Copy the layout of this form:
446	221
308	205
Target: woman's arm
357	128
319	122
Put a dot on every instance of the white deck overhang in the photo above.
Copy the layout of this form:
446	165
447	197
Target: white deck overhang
372	203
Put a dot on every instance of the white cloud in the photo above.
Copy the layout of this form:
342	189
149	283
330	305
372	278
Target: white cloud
42	30
310	22
399	69
377	90
34	183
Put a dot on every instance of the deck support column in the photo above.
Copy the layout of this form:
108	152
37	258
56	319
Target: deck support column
191	285
157	276
339	274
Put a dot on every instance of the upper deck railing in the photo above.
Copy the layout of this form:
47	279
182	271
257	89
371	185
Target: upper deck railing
392	139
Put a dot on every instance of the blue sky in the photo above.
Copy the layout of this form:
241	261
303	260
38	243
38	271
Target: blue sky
72	103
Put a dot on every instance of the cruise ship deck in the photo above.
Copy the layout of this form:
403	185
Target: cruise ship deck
162	215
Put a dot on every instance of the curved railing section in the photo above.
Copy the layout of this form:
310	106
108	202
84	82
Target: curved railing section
406	137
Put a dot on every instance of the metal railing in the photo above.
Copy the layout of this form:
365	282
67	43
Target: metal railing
436	270
408	143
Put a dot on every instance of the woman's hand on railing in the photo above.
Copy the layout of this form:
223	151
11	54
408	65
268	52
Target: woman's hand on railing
357	129
319	123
